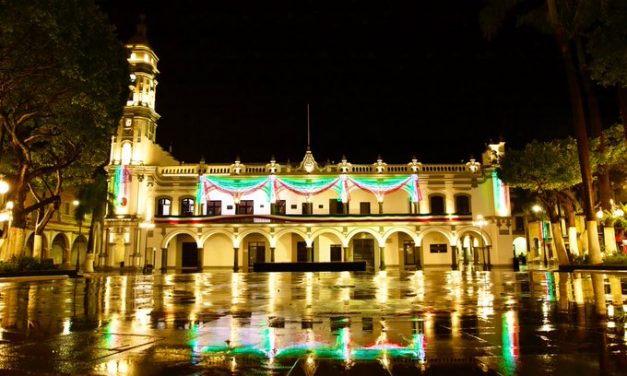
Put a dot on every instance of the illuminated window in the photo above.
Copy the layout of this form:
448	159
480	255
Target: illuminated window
187	207
126	153
163	207
462	204
214	207
246	207
437	204
278	207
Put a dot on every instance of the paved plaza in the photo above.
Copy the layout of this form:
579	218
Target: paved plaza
223	323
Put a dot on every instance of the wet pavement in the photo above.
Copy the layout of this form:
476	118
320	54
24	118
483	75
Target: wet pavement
351	323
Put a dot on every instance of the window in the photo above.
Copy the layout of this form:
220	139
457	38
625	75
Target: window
214	207
437	204
278	207
126	153
187	207
519	224
438	248
307	208
335	206
462	204
163	207
364	208
246	207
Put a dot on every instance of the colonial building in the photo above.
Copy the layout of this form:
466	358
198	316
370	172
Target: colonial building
176	215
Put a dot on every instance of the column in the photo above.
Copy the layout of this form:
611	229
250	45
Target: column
235	259
381	258
418	255
380	207
272	254
138	243
453	257
309	254
200	258
347	257
164	259
67	255
489	261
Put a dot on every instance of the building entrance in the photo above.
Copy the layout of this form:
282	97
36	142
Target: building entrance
256	253
190	255
363	250
411	258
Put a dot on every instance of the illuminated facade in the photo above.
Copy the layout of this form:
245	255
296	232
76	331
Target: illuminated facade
173	215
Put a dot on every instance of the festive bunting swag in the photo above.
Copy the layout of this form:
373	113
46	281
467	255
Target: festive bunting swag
307	186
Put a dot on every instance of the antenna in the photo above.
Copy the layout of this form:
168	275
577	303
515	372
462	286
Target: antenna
308	136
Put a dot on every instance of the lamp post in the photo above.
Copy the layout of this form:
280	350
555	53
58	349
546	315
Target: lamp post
78	245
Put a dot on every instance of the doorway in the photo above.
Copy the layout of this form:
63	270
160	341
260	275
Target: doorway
190	255
363	250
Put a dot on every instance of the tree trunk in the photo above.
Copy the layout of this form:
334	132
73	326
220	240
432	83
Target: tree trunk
550	202
583	150
572	228
596	128
560	248
15	242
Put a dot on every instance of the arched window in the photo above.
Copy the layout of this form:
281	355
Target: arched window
437	204
163	207
187	207
126	153
462	204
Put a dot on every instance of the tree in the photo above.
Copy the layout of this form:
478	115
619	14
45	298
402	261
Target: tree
549	170
63	82
567	21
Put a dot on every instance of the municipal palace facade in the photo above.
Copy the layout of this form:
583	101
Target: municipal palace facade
174	215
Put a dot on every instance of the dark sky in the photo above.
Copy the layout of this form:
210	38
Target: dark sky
390	78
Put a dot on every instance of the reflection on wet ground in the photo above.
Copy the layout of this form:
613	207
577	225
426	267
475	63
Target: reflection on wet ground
432	323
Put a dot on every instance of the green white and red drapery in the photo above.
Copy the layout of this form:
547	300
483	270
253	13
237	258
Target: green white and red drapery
272	186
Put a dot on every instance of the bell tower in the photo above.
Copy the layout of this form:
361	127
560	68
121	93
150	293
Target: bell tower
135	136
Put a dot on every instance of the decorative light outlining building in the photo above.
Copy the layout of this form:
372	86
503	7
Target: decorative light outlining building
173	215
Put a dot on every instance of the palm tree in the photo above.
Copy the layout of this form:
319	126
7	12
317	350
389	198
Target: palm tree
566	21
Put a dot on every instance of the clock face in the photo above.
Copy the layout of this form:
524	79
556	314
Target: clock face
128	122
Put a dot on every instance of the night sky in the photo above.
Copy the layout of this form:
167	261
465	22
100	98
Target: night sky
394	79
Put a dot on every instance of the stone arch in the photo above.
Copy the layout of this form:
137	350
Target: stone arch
240	236
484	235
447	234
59	248
173	234
285	231
30	242
409	232
370	231
204	237
333	231
79	245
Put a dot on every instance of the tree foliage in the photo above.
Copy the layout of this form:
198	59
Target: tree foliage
607	45
542	166
63	81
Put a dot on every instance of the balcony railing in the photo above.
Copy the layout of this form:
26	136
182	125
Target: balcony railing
331	169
